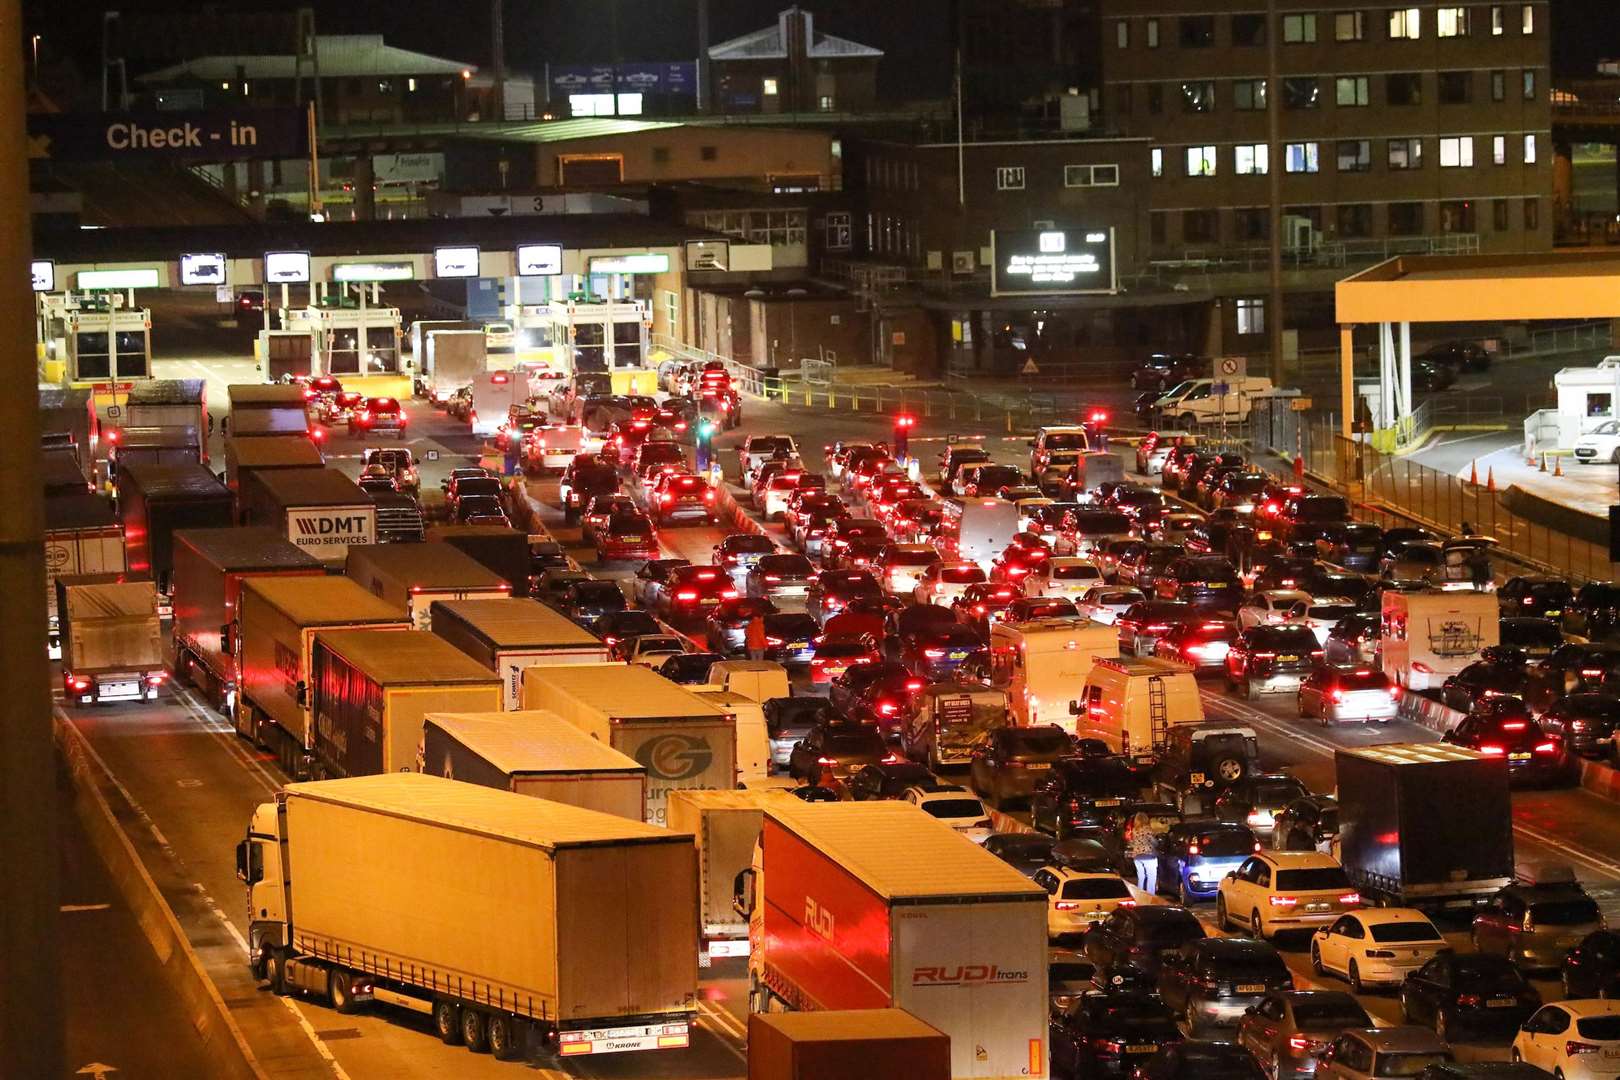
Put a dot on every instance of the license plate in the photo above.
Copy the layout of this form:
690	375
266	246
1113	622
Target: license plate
799	646
1141	1048
1501	1002
709	600
958	654
1518	757
1318	907
621	1040
1195	778
834	671
1251	988
1286	659
1216	585
1038	766
120	689
632	539
1105	802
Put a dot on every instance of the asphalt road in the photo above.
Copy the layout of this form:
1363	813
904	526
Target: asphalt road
197	783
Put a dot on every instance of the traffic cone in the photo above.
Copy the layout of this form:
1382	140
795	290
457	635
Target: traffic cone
1473	473
1541	460
1530	459
1490	478
1558	466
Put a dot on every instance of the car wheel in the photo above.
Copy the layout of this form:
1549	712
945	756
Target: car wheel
1355	979
1222	921
1442	1026
1257	928
1316	959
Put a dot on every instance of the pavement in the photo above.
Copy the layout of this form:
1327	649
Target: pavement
1590	489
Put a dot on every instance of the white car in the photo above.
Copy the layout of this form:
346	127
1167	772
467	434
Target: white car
760	449
1175	528
1284	890
943	582
1077	901
1325	612
904	566
1376	946
774	499
1577	1040
1106	603
1064	576
1027	508
954	805
1273	607
650	650
1601	445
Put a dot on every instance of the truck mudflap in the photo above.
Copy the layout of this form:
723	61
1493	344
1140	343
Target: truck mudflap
671	1035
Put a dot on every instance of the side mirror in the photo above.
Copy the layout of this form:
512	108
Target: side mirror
742	893
1074	707
225	645
249	862
301	693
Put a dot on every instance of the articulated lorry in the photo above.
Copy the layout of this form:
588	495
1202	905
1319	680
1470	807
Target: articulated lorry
154	501
370	691
873	1044
500	548
273	632
519	926
725	825
534	753
320	510
112	639
260	409
454	359
170	403
82	536
683	741
511	634
415	576
947	931
1425	825
210	566
251	454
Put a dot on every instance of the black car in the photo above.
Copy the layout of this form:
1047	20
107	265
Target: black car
1024	852
1572	668
688	669
740	551
846	690
1138	936
790	638
1008	763
1306	824
936	653
1592	968
1470	993
1269	659
1482	679
726	628
1502	727
1082	790
1534	594
888	781
1255	800
1212	981
1200	1059
1427	375
1585	722
1462	355
1352	640
1207	582
615	626
1105	1035
1596	610
888	701
1144	623
583	479
1352	545
1534	636
838	749
1200	761
1161	371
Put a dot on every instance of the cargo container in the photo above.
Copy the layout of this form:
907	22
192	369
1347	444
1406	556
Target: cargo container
516	924
1424	824
873	1044
370	691
876	905
62	472
500	548
414	576
112	639
170	403
82	536
248	454
684	741
282	408
154	501
209	568
320	510
151	446
274	424
275	625
534	753
454	359
725	826
510	634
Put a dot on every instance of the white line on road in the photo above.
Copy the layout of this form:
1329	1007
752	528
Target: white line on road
84	907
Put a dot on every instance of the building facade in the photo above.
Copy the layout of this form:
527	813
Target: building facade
793	67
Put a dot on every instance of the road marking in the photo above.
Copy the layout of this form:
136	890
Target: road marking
727	1032
68	908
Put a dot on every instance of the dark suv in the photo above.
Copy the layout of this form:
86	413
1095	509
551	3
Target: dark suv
1137	937
1213	981
1201	760
1204	581
1082	791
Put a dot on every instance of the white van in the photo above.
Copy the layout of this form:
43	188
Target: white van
753	745
1131	705
1043	663
1195	401
976	530
1426	636
759	680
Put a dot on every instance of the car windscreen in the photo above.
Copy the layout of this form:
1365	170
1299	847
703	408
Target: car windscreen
1312	878
1066	440
598	592
1276	794
1564	912
1075	572
1030	741
1363	679
953	808
750	543
1100	522
992	477
1069	972
1099	888
911	558
1225	843
1287	639
478	485
1404	932
1172	931
1322	508
854	743
769	444
839	649
1531	632
1420	554
595	476
1332	1014
1331	612
785	565
961	575
1241	964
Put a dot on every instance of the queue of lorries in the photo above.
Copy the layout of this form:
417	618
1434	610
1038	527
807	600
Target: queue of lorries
554	841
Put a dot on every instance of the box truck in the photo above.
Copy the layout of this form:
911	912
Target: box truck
976	530
320	510
513	633
874	1044
209	568
154	501
276	621
1043	664
948	932
501	548
248	454
414	576
454	359
82	536
170	403
534	753
682	740
112	639
1429	635
268	409
515	924
725	826
370	691
129	445
1424	824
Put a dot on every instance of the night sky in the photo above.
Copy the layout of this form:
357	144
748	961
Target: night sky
912	32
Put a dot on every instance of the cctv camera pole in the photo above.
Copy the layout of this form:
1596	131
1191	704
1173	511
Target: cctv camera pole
31	1026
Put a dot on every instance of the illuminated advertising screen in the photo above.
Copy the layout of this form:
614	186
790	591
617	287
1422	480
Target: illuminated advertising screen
539	260
1046	262
44	274
286	267
202	268
455	262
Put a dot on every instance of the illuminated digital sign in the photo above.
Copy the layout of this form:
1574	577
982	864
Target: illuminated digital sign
1035	262
44	274
202	268
648	263
373	271
539	260
286	267
143	277
460	261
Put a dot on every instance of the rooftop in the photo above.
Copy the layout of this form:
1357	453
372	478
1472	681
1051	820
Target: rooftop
771	43
341	56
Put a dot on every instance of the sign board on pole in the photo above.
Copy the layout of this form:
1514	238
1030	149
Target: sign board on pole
202	268
1233	368
286	267
44	274
161	135
1030	367
539	260
708	254
460	261
1300	404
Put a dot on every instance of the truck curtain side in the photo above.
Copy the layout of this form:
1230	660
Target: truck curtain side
370	693
414	576
276	621
320	510
534	753
82	536
683	741
506	918
155	500
510	635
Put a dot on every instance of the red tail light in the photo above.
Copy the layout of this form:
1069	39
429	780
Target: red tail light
1338	695
667	498
1571	1048
1283	901
1513	725
687	594
826	761
933	654
1493	750
1298	1043
78	683
1547	748
157	678
892	758
1470	1001
1350	899
728	594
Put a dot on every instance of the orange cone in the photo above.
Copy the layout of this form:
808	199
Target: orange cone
1558	466
1490	478
1541	463
1473	473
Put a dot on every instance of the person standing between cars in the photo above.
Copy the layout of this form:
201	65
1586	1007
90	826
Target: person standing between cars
1479	564
1142	833
754	637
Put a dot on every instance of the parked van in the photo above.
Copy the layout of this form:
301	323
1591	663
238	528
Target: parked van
950	721
1427	636
1043	663
1131	704
1195	401
753	745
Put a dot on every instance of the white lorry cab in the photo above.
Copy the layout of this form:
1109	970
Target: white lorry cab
1043	664
976	530
1426	636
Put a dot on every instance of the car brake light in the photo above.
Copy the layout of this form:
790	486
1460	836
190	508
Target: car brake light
1192	849
773	640
1571	1048
1066	905
1283	901
667	498
1513	725
933	654
1492	750
1350	898
1298	1043
826	761
728	594
687	594
1547	748
914	684
1470	1001
1265	656
157	678
892	758
1338	695
78	682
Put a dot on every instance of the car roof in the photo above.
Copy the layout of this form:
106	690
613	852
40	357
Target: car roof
1385	916
1406	1038
1068	874
1235	946
1589	1007
1298	860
